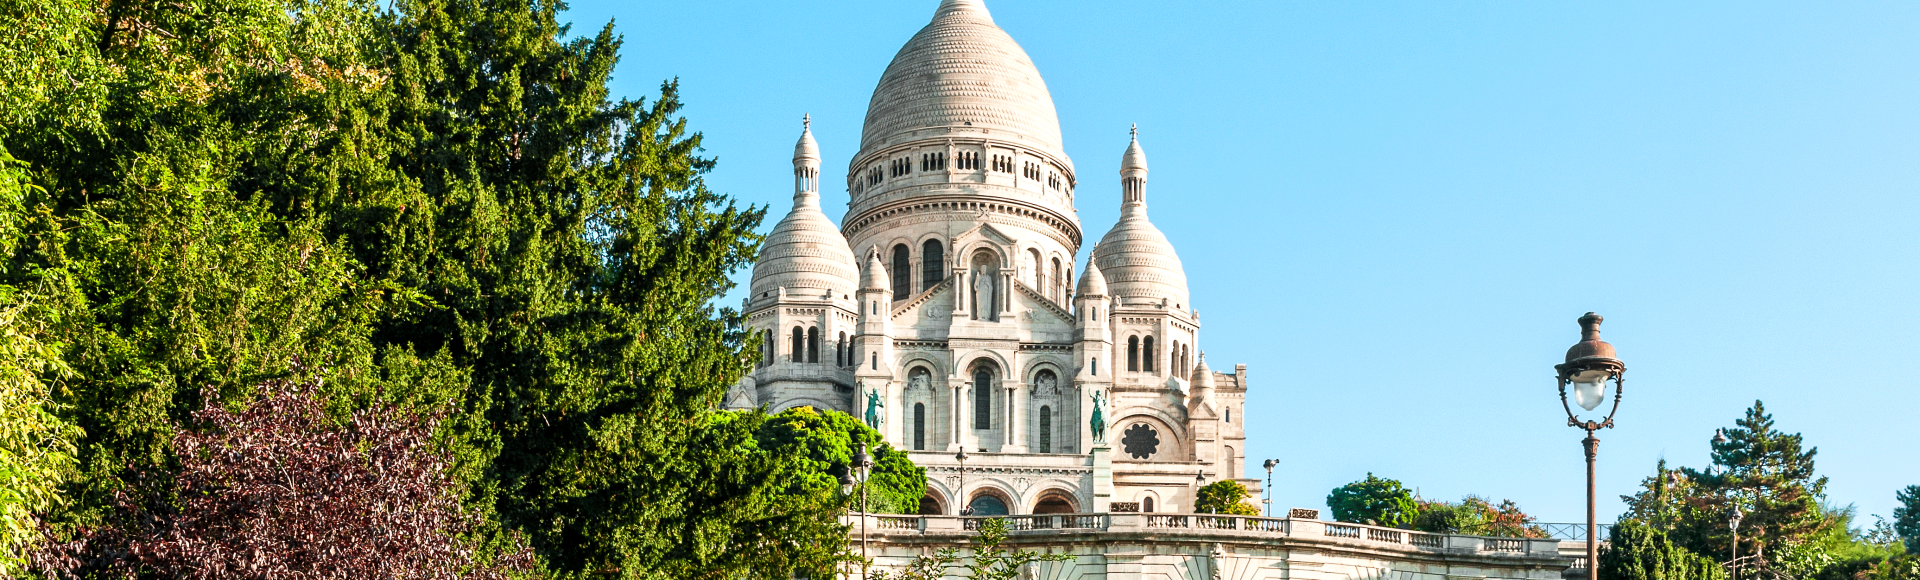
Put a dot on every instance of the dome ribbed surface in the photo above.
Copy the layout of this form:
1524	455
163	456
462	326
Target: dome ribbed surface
805	254
962	69
1139	262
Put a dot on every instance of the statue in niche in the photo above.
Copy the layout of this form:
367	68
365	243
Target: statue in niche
876	410
1045	385
918	380
1099	421
985	288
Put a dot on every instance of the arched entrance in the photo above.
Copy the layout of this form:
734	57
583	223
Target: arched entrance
987	503
1055	502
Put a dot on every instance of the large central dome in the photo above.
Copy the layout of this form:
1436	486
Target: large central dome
962	71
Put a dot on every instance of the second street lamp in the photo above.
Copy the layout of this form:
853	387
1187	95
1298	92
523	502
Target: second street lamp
1590	364
862	463
1268	501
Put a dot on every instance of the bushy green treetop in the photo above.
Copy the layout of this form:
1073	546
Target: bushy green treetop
1373	500
1225	497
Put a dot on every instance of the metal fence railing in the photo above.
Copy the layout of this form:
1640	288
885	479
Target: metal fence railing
1576	532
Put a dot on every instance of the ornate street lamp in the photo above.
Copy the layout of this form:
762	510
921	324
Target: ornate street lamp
1199	481
1590	364
863	464
1268	501
966	509
846	490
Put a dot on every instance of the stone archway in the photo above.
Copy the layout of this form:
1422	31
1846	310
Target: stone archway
991	502
1056	501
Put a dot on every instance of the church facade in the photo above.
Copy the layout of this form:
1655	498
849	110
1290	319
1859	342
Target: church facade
948	309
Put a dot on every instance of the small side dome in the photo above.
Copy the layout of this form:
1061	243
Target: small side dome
1139	260
1092	282
875	277
805	253
1202	376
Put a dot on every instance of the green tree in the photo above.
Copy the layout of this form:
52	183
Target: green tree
1771	478
436	203
1906	517
1639	552
1475	515
1225	497
1373	501
826	440
989	561
36	447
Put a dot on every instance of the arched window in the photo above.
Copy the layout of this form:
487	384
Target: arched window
1054	290
1146	504
1039	271
1146	354
902	272
1096	366
813	345
919	426
933	264
983	399
1229	414
1046	429
799	345
1133	353
840	352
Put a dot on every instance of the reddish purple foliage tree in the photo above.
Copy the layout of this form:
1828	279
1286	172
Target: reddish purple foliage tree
280	490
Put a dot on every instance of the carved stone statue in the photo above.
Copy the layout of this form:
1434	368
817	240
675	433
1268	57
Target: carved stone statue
876	410
1044	385
1099	421
985	305
918	380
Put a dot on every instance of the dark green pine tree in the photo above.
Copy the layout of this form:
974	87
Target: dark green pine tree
1906	517
1769	475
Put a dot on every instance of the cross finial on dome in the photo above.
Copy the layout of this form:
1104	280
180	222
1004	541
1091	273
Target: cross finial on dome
806	122
1135	131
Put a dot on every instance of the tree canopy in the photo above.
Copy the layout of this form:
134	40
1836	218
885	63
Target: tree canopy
429	204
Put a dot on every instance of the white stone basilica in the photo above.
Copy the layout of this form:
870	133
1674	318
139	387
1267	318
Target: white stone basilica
940	308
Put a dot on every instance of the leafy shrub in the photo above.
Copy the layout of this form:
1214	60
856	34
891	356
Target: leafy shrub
1639	552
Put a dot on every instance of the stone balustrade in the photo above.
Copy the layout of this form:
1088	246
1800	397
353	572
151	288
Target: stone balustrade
1117	546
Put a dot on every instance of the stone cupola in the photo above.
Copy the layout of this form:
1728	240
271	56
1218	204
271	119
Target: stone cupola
1139	262
805	253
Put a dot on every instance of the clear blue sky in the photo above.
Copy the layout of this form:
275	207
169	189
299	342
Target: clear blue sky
1393	212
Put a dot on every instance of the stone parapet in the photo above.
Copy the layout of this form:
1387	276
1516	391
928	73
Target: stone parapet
1124	546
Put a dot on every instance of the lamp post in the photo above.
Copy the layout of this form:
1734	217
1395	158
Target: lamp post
864	464
1199	481
1590	364
1268	501
965	508
846	490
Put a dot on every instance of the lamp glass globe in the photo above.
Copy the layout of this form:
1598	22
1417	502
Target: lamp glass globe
1590	388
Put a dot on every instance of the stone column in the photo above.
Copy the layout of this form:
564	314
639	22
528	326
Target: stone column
956	437
1005	296
961	291
899	428
1018	393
